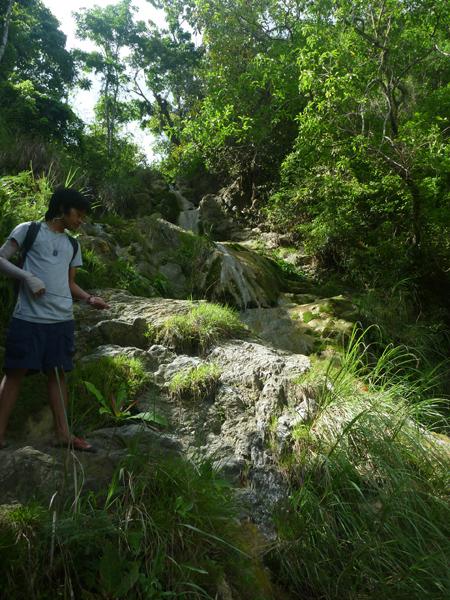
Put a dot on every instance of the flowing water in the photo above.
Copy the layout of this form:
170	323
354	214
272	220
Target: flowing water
238	277
234	280
189	214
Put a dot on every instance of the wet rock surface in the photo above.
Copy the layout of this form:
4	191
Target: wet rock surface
186	264
301	322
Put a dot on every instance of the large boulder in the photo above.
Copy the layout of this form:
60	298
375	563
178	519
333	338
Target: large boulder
215	221
240	277
181	264
232	426
42	472
126	322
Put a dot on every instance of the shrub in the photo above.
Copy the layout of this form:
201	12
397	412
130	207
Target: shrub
98	272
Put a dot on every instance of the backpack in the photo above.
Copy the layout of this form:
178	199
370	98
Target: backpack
28	242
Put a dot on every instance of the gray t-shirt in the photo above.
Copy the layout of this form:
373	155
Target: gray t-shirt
49	258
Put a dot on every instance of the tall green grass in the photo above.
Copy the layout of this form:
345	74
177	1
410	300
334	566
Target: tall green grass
163	529
369	516
404	318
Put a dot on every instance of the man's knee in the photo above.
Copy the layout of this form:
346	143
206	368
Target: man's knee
55	374
15	374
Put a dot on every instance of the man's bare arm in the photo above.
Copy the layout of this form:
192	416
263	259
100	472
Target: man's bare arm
7	251
80	294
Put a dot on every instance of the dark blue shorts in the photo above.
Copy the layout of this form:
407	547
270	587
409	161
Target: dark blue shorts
39	346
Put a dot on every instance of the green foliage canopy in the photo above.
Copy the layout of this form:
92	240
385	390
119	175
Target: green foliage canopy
36	72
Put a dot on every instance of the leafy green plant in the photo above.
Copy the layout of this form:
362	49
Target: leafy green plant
119	408
198	383
131	280
116	406
161	284
202	327
113	382
307	316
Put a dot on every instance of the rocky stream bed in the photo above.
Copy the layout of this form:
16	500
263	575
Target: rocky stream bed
231	427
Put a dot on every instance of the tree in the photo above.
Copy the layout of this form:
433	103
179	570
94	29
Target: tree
169	62
36	74
242	122
113	30
366	180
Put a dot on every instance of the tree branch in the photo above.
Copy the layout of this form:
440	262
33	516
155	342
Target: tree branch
436	47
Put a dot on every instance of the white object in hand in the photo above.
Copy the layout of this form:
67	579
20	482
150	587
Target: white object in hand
35	284
8	249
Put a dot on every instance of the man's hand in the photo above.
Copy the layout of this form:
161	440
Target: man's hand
36	285
97	302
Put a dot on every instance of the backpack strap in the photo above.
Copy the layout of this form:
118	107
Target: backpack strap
30	236
33	230
75	245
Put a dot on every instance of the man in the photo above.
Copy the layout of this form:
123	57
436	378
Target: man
41	333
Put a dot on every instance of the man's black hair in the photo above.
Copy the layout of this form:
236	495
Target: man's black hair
63	199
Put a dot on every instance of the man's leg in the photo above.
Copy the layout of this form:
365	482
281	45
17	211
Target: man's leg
57	395
9	390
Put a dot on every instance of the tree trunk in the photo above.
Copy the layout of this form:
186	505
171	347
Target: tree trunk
415	214
6	29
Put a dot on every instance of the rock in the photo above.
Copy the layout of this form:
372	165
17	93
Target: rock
268	489
231	468
279	327
125	323
298	413
40	472
151	441
175	276
151	359
181	363
114	331
181	264
252	365
240	277
26	473
214	219
299	327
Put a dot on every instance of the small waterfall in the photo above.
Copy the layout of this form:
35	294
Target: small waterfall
234	280
189	214
189	219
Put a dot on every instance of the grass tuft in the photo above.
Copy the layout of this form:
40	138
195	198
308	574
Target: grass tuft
198	330
198	383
